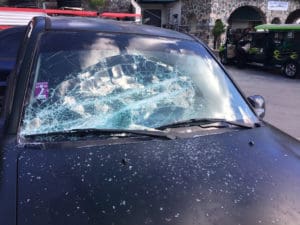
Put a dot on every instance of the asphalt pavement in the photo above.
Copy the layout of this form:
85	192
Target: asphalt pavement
282	95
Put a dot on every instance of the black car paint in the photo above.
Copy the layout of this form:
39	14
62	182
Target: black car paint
231	177
10	40
243	176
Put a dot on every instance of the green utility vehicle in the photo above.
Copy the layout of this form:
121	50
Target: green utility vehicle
270	45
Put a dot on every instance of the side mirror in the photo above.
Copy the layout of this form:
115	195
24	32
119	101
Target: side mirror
258	103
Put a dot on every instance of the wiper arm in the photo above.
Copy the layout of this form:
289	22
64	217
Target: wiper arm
111	132
207	123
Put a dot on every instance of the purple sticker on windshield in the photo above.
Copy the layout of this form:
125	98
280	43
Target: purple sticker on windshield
41	90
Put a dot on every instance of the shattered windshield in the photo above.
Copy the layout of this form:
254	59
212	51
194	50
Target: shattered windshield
118	81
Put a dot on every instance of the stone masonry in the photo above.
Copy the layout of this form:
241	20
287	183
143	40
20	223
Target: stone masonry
222	9
202	14
117	6
198	16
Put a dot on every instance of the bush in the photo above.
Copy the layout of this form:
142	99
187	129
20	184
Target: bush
218	29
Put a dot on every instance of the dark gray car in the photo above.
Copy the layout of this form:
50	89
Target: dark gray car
10	40
114	123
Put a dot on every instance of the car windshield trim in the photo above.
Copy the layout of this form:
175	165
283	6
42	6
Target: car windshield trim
209	122
108	132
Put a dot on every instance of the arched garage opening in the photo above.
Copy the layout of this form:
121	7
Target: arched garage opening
294	17
246	17
276	20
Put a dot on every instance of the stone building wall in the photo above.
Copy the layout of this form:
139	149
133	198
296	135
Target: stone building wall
293	5
222	9
200	15
117	6
195	16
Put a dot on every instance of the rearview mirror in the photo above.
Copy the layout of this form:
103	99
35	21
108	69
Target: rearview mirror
258	103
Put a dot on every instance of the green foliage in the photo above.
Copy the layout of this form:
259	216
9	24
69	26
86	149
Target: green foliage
222	48
96	3
219	28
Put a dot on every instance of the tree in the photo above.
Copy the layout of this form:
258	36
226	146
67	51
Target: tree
218	29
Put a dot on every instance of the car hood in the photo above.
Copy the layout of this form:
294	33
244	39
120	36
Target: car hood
240	177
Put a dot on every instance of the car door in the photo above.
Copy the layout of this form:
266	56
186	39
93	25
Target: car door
257	50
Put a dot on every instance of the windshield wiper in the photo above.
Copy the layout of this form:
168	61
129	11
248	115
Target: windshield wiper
208	123
111	132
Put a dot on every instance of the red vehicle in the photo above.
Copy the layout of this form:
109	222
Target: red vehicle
10	16
121	16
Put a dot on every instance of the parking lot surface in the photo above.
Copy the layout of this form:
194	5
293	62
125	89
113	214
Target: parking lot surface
282	95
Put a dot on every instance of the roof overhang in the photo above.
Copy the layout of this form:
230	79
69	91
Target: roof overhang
278	27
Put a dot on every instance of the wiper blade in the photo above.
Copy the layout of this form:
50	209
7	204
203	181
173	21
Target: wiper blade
208	123
111	132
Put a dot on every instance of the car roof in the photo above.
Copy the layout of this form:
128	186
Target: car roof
109	26
10	40
278	27
12	30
